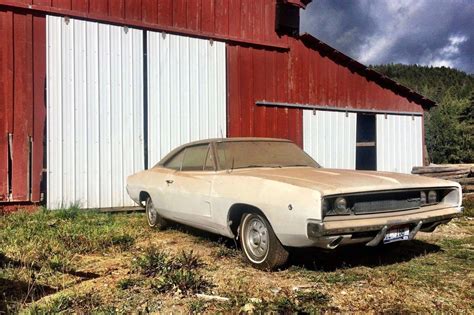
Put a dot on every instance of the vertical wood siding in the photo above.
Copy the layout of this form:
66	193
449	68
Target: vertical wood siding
22	115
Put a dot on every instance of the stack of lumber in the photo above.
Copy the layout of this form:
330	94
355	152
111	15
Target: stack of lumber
461	173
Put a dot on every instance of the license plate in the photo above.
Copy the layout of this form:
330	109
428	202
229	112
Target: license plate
396	234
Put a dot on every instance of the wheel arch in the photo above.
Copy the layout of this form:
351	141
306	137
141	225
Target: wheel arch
235	213
142	197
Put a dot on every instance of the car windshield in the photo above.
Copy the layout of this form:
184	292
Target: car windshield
246	154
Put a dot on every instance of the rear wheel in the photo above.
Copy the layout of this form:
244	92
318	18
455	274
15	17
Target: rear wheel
154	219
259	243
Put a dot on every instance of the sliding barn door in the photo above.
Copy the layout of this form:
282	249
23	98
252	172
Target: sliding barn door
330	137
186	91
399	143
94	112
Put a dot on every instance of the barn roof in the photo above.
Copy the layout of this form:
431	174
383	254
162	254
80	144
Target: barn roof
354	65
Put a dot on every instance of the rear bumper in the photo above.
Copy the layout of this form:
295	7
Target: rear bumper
372	230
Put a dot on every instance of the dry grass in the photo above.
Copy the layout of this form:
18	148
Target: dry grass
76	262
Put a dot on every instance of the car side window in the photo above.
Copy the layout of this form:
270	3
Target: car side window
194	158
175	162
209	166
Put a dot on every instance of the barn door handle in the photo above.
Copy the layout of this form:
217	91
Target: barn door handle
169	181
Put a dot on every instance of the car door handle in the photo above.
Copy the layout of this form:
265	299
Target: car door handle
169	181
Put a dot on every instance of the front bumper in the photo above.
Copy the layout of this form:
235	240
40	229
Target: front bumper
371	230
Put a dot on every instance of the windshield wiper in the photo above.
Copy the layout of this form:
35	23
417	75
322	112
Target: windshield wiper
296	165
260	165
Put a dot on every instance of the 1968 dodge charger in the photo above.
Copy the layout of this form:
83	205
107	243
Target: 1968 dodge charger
270	195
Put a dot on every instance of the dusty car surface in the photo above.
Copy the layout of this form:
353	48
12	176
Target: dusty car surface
270	195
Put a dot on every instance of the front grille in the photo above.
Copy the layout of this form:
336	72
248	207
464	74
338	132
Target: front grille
383	202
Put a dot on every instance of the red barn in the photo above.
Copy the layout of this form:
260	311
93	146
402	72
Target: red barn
92	91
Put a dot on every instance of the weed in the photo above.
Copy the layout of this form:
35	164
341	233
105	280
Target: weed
187	260
172	273
343	277
153	262
224	252
126	283
197	306
468	207
75	303
182	281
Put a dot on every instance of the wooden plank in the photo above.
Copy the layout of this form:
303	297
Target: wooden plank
246	91
117	8
6	100
193	13
80	5
466	181
207	16
63	4
234	25
259	92
179	13
165	12
282	93
39	77
150	11
234	116
436	169
446	174
270	93
133	10
468	188
23	101
222	17
99	7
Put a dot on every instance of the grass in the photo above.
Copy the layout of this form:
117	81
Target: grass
71	261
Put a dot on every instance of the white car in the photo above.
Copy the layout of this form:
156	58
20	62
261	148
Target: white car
270	195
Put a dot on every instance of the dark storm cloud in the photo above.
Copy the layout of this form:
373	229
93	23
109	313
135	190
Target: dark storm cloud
428	32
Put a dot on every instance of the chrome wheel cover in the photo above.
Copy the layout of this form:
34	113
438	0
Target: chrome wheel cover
256	238
151	213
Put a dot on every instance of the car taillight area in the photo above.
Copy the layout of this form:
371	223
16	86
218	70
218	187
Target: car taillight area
386	201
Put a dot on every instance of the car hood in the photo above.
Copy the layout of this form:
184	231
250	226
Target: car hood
337	181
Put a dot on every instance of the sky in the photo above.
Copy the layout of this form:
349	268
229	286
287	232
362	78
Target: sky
425	32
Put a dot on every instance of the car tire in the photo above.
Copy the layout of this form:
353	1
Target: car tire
153	218
260	246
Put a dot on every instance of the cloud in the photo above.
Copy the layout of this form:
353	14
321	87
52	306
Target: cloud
428	32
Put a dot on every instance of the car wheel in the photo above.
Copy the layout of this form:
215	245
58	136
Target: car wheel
259	243
154	219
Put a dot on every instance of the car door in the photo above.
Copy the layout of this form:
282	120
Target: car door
188	189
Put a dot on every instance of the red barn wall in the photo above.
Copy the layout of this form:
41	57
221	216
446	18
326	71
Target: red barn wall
22	107
301	75
247	20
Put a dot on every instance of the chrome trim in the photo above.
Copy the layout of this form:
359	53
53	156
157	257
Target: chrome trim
317	229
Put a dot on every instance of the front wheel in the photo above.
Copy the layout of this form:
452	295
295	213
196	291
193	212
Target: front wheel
153	218
259	243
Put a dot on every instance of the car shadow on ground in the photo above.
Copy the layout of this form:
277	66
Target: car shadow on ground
317	259
360	255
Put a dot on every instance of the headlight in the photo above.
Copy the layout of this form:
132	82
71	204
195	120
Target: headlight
340	205
432	196
423	197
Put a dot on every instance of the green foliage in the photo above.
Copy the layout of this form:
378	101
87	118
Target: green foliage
171	273
450	125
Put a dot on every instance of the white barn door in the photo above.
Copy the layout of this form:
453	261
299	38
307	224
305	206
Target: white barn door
186	91
329	137
95	112
399	143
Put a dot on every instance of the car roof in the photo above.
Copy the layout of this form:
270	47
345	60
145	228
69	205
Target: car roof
216	140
